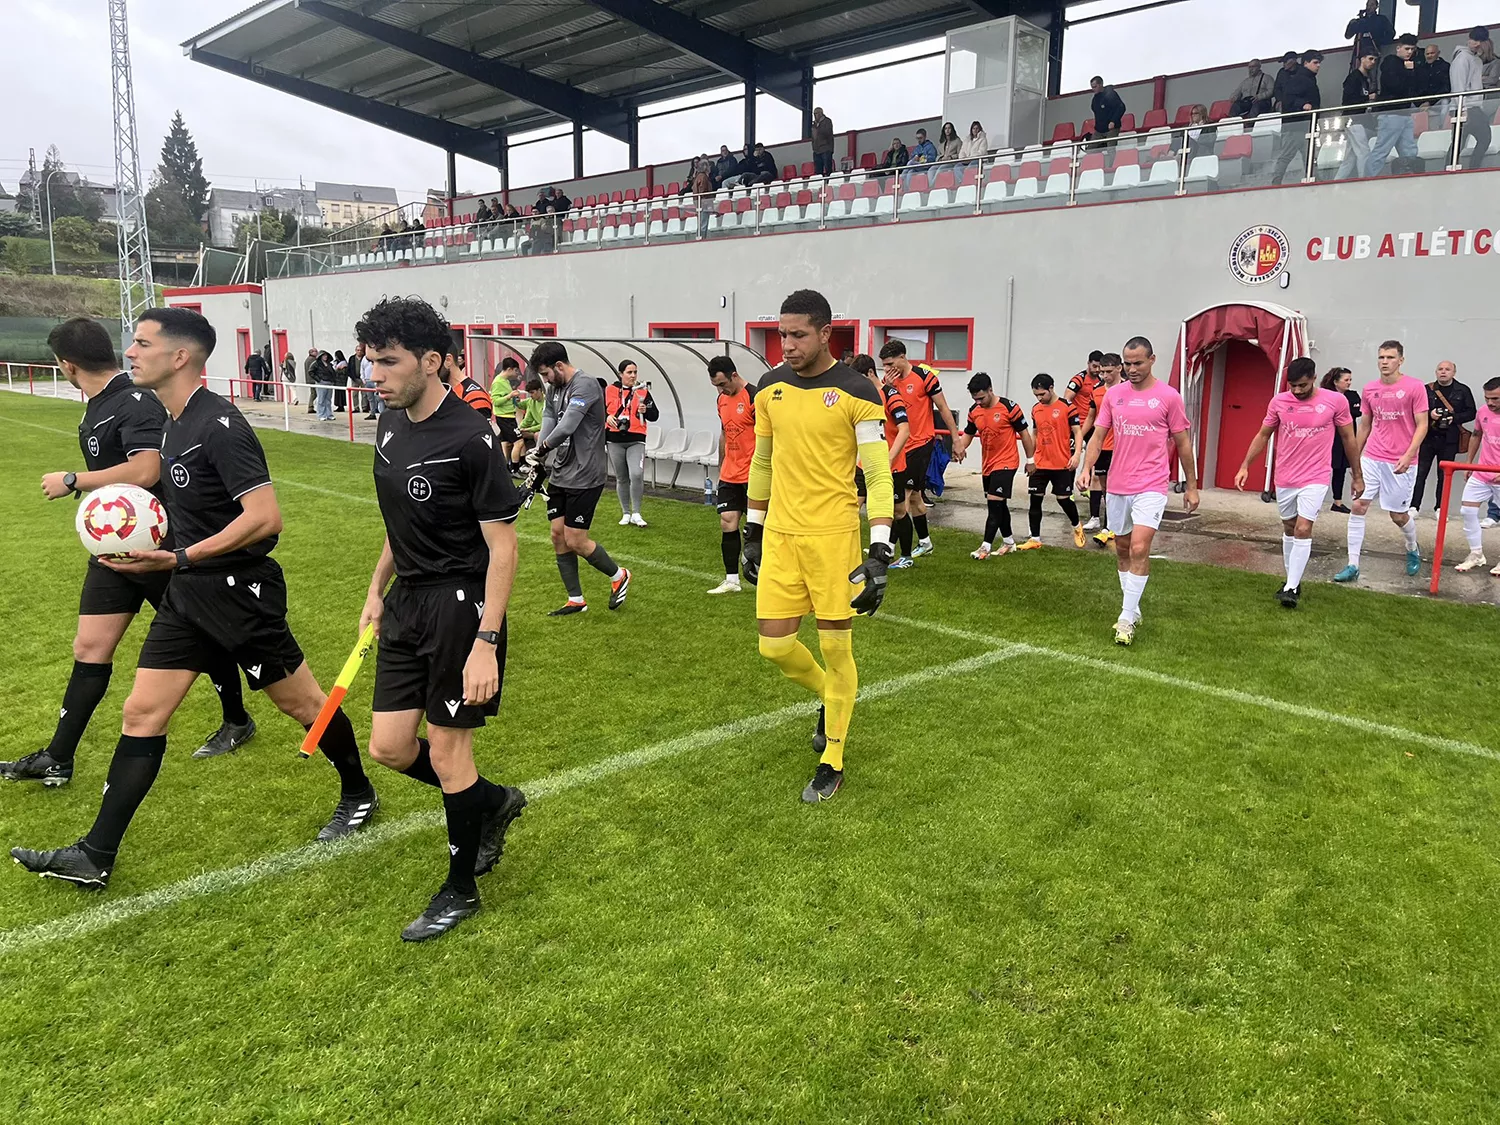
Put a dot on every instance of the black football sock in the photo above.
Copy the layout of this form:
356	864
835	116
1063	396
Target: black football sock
1036	517
421	766
903	534
920	523
601	561
567	566
997	514
226	682
465	813
730	547
132	770
1096	502
1069	508
339	747
86	688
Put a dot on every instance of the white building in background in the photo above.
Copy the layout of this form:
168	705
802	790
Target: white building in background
226	207
345	204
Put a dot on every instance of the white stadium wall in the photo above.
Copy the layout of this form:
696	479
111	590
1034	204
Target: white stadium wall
1042	287
238	315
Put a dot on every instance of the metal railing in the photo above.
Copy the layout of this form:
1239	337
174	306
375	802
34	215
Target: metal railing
1228	155
42	379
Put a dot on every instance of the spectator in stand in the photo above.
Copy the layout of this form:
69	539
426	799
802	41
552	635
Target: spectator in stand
1450	407
482	213
1433	75
552	201
1108	108
974	149
289	377
701	184
822	143
1341	379
1394	126
1291	63
628	407
949	145
256	373
1301	93
1359	91
924	151
763	168
1491	64
726	167
895	157
1199	137
1370	31
1466	74
325	377
1251	97
309	376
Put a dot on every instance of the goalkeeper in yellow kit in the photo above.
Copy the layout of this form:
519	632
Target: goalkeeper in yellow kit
814	418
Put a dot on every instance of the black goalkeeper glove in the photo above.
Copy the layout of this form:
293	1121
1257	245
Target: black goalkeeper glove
753	537
871	572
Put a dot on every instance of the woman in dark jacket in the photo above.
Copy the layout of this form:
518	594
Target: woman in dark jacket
1339	379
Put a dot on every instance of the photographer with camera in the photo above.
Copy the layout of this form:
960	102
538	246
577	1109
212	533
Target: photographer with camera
628	407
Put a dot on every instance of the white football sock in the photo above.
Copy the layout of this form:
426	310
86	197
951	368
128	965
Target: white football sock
1471	530
1356	538
1297	564
1135	586
1409	533
1123	575
1286	551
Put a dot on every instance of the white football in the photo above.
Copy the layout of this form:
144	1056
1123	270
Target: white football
119	518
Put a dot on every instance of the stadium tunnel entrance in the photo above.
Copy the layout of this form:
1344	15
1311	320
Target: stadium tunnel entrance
1229	360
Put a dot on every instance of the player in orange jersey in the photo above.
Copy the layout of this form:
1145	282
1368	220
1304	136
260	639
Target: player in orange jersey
1059	444
736	447
919	386
897	435
997	422
1110	370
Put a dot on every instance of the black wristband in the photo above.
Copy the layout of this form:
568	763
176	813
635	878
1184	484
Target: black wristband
182	559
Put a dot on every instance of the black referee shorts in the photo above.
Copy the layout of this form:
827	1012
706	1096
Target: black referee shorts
999	483
1061	481
914	478
733	497
426	636
108	591
575	507
209	618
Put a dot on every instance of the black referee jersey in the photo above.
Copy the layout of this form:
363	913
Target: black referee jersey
120	420
210	459
437	480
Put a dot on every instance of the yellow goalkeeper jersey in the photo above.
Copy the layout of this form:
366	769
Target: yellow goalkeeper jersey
811	424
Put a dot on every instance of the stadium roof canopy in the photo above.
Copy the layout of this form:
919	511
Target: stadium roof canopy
465	76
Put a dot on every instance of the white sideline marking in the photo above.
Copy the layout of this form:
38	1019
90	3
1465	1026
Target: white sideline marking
48	429
276	864
1120	668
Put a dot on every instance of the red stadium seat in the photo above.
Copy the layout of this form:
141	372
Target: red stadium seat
725	206
807	169
1161	152
1031	170
743	204
847	192
1086	129
944	181
611	220
1094	160
1419	123
1156	119
1184	116
591	201
918	183
1127	123
1238	148
789	172
997	175
1063	132
804	198
630	195
783	199
869	190
1059	166
971	176
658	215
1220	110
674	188
616	197
1126	156
868	161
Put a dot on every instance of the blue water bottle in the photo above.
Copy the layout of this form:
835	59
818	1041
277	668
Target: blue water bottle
708	490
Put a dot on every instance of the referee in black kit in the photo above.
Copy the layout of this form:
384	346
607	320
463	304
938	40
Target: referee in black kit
120	441
449	507
226	599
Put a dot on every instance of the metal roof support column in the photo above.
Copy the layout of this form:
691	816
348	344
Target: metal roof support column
1055	48
808	82
578	150
1427	11
634	137
452	179
502	163
749	114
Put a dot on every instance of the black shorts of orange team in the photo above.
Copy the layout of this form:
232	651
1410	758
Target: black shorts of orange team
1061	481
732	497
999	483
209	618
426	636
914	477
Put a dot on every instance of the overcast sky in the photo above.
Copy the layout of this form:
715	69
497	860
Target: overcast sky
58	71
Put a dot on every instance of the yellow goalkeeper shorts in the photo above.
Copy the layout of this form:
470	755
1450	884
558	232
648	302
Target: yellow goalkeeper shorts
802	574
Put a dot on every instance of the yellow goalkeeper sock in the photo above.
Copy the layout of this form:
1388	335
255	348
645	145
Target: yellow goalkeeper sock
841	686
795	661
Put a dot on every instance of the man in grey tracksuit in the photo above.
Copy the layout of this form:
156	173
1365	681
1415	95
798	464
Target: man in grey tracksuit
571	453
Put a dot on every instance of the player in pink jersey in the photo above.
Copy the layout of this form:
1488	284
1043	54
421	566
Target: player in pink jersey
1391	429
1305	421
1147	420
1482	487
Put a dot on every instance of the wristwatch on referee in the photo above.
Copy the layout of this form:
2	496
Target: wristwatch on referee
182	559
70	481
488	636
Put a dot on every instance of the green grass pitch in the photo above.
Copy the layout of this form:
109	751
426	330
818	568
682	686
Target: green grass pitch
1245	871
